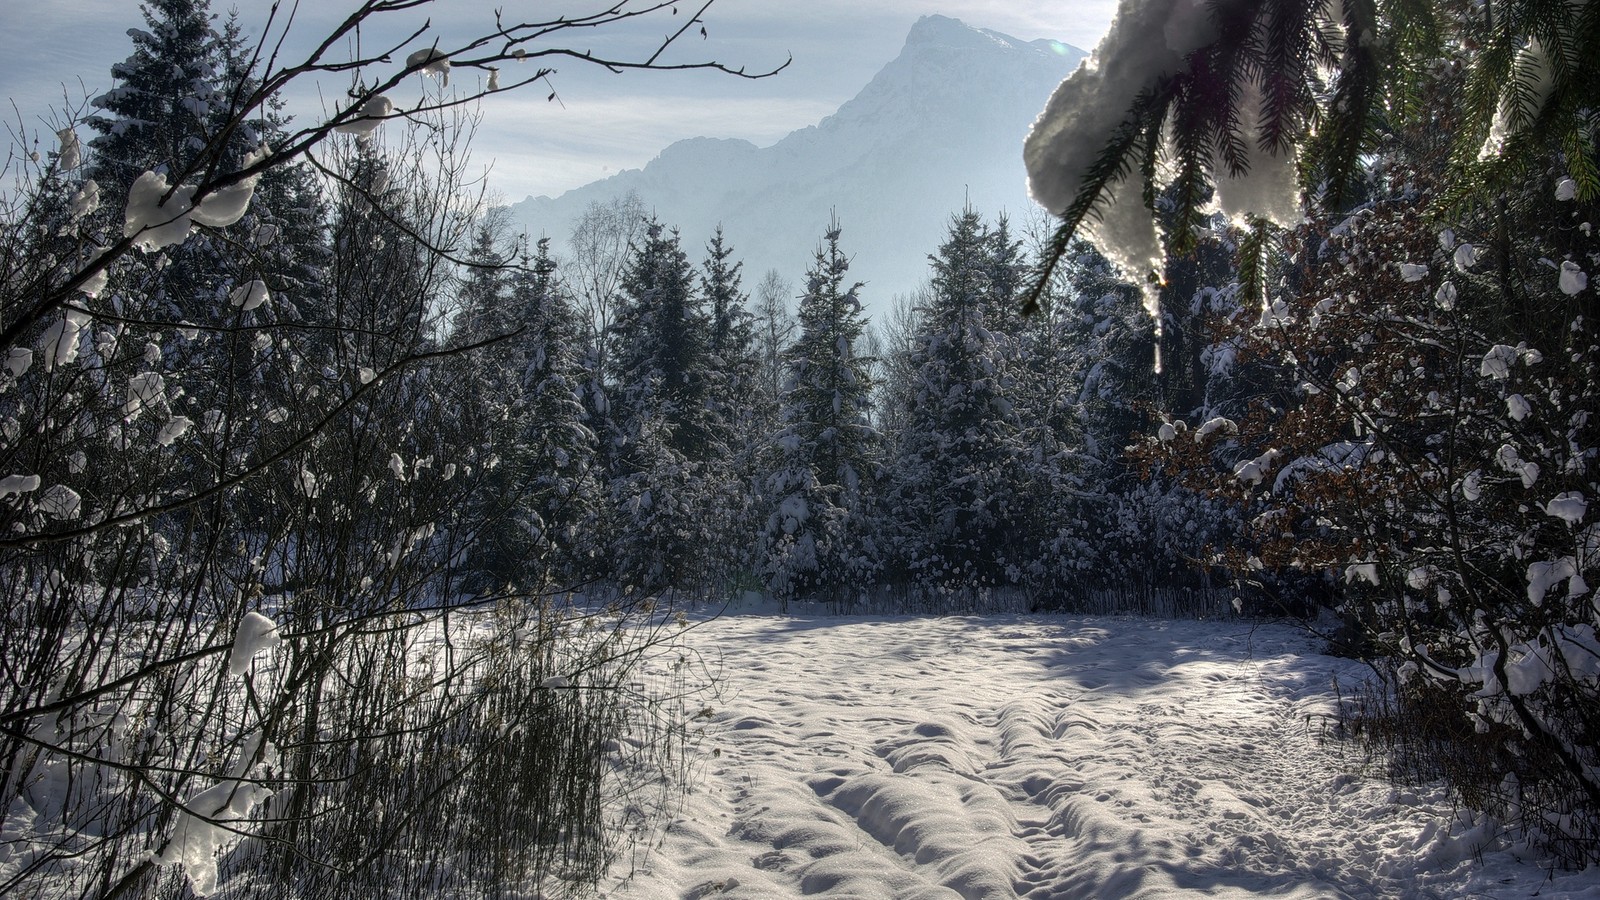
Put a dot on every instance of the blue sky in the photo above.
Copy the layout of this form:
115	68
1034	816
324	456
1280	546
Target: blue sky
54	55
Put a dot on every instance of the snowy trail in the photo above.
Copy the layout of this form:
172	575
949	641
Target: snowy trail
1047	758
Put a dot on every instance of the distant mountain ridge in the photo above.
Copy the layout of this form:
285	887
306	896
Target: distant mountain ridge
941	125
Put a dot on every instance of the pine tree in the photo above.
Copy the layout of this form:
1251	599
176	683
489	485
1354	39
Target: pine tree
818	537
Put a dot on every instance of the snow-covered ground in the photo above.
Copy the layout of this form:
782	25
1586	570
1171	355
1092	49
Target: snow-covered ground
1052	757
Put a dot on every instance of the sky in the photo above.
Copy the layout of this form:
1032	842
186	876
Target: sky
53	56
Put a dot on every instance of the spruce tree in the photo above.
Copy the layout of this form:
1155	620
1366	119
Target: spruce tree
955	507
818	536
658	422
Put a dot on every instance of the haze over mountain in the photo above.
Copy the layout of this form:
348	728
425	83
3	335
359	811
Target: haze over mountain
939	126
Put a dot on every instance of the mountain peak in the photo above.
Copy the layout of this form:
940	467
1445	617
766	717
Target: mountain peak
939	126
943	31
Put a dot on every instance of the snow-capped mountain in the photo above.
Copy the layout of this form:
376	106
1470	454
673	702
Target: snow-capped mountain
939	126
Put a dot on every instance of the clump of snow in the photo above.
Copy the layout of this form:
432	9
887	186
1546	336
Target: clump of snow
1566	189
1497	362
1517	407
154	219
1253	470
1472	485
1445	296
1166	433
200	831
1533	72
144	389
1466	256
397	467
256	633
175	427
1092	104
249	295
1212	425
18	361
18	484
366	375
308	483
70	155
1361	571
793	512
1270	185
227	205
1573	279
94	284
1568	506
556	681
85	200
433	62
373	112
1413	271
1542	576
59	343
60	502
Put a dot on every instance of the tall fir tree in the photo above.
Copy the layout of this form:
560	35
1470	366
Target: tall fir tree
955	507
658	422
819	538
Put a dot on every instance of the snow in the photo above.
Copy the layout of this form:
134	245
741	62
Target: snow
59	342
86	199
1542	576
1270	186
197	835
227	205
1568	506
18	361
1466	256
18	484
1045	757
1572	279
1518	407
1497	362
144	389
1253	470
1090	106
1533	72
60	502
432	62
1566	189
1212	425
1413	271
154	219
174	428
1445	296
71	153
1361	571
249	295
373	112
256	633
